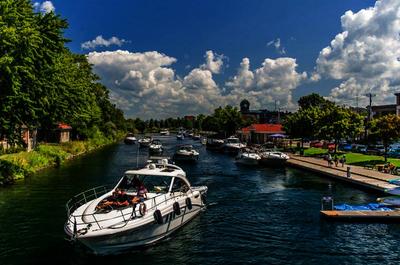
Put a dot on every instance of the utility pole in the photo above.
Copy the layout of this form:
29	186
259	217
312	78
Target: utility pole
370	96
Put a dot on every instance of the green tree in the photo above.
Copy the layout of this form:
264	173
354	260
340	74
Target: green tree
302	124
313	100
387	128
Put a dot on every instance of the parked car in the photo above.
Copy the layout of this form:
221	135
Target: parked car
360	148
345	147
317	144
329	146
375	150
394	153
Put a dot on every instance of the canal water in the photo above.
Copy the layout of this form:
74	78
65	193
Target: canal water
255	216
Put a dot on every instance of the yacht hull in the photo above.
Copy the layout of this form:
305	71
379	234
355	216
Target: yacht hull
129	141
273	162
247	161
141	236
189	158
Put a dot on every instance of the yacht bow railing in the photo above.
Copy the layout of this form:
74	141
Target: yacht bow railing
124	217
83	197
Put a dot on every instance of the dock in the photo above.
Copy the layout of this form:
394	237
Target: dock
360	176
361	215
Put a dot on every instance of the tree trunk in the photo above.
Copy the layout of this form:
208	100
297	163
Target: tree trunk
385	154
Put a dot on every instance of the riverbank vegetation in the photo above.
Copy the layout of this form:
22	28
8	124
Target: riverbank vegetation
42	84
19	165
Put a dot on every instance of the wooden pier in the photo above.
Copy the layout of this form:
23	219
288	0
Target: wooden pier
358	175
361	215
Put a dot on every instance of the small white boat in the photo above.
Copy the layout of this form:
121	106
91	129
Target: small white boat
130	139
390	200
180	136
155	147
186	153
214	144
273	158
164	132
145	142
233	145
196	137
145	206
248	157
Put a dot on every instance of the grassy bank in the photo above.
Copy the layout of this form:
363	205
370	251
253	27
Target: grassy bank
22	164
354	158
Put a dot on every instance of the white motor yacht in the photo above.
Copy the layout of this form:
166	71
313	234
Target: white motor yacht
186	153
273	158
164	132
130	139
233	145
145	142
155	147
214	144
145	206
248	157
196	137
180	136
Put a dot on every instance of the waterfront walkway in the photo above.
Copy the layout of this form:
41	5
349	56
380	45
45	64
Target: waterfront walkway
360	176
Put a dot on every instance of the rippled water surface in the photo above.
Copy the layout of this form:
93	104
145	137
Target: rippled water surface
256	215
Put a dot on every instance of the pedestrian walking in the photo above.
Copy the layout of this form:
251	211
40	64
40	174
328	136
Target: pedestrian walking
336	160
343	160
329	159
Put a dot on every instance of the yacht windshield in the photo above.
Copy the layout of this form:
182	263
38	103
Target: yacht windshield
233	141
153	184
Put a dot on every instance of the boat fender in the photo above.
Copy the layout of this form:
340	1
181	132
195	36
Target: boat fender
177	208
203	198
189	203
158	217
142	209
82	231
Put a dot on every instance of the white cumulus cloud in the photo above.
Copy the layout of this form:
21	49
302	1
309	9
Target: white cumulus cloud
214	62
278	46
274	81
365	55
45	7
146	85
99	41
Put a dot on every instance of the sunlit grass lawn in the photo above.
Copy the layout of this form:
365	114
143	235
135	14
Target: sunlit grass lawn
354	158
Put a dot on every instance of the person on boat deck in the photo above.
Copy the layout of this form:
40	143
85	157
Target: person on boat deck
140	187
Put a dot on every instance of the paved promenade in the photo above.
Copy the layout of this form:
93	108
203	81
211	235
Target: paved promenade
364	177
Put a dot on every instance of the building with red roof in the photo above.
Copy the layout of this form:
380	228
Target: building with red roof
63	131
260	133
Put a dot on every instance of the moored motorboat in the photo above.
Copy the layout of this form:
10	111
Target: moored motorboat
390	200
186	153
130	139
155	147
145	206
164	132
180	136
196	137
145	141
214	144
233	145
248	157
273	158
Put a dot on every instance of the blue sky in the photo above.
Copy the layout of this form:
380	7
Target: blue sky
185	80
